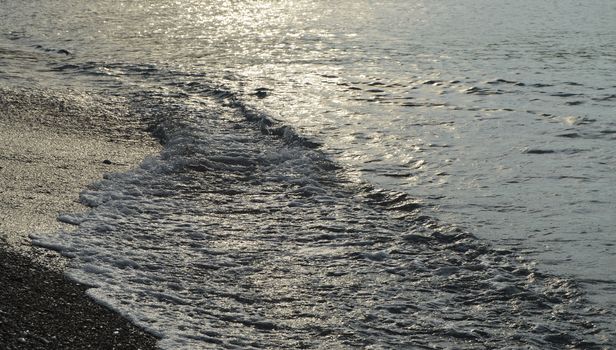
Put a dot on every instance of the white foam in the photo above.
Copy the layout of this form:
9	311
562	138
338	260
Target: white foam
72	219
44	242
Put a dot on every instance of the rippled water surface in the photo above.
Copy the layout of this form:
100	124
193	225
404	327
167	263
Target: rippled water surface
497	118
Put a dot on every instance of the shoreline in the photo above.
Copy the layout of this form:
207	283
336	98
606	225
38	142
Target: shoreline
54	144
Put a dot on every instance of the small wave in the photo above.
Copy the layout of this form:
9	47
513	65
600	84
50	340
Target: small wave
505	81
565	94
552	151
605	98
64	52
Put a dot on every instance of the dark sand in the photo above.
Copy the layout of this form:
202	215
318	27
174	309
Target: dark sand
52	145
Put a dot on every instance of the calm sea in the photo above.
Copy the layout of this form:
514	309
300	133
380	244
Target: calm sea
351	174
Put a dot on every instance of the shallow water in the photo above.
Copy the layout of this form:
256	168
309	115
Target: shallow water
497	119
241	235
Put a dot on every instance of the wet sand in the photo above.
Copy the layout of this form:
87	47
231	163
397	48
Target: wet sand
52	145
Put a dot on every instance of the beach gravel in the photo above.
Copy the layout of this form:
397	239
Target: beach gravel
41	309
53	144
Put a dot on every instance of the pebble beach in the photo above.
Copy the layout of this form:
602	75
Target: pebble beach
50	152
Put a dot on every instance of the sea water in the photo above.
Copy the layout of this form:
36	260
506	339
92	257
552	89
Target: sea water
426	173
